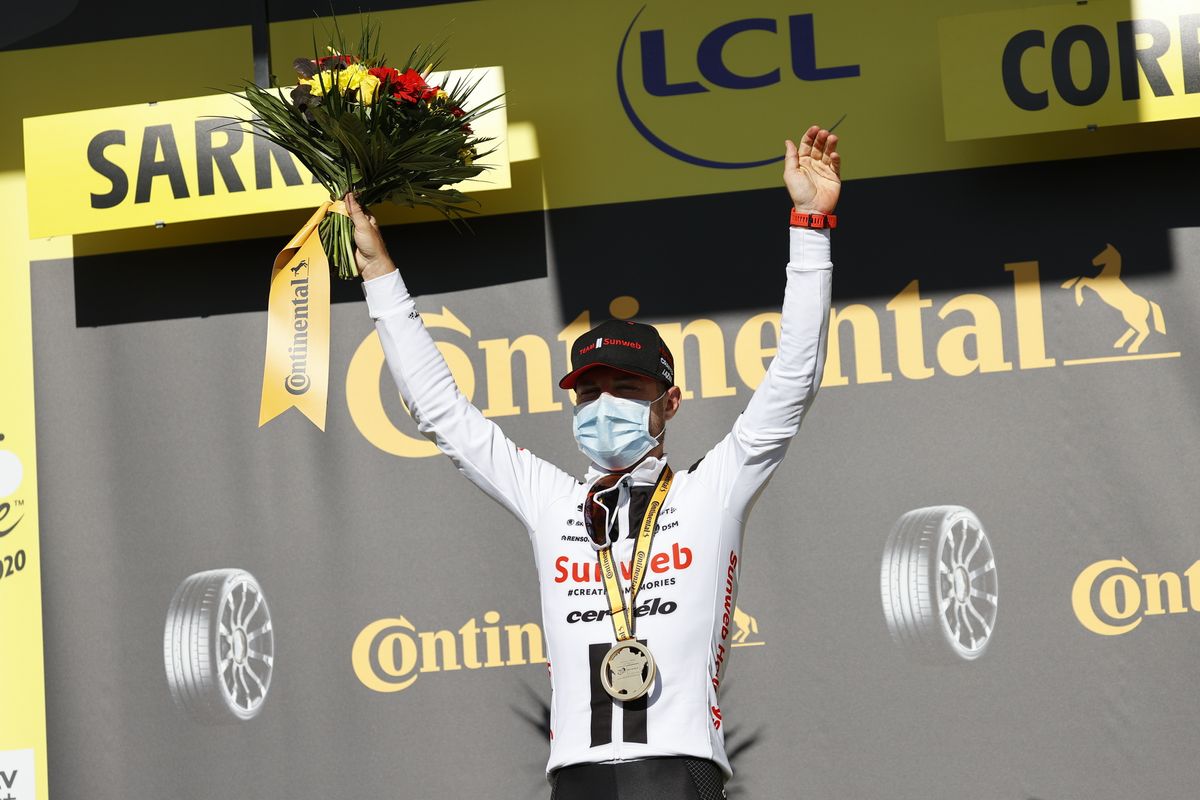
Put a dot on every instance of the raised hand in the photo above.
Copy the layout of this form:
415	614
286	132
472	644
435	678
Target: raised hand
812	171
370	253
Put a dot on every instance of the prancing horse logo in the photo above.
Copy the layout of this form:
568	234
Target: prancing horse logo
1111	289
745	625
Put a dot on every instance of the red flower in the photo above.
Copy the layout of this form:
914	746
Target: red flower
407	86
386	75
411	86
457	112
345	60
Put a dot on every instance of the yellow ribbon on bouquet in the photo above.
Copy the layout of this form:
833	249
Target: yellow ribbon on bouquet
296	371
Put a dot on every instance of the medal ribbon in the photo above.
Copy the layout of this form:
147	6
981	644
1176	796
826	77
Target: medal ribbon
622	617
296	372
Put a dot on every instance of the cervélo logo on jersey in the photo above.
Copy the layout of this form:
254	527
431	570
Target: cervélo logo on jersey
650	608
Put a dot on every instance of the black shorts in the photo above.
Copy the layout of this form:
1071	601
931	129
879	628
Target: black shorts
676	778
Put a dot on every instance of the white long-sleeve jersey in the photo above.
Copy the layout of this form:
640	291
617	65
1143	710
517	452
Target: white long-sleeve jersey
685	608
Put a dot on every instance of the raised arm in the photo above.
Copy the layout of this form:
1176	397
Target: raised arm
514	477
741	464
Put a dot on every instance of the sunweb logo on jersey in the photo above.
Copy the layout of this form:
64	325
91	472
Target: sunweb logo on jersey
693	109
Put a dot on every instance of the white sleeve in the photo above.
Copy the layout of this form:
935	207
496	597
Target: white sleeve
740	465
514	477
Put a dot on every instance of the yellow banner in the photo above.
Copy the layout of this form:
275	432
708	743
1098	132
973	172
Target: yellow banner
296	372
183	160
1069	67
620	102
23	707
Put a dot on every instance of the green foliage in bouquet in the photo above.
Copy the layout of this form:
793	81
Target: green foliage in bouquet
384	133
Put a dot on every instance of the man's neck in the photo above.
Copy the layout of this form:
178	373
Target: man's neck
657	452
642	472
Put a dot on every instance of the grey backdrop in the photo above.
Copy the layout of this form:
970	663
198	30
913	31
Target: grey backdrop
152	468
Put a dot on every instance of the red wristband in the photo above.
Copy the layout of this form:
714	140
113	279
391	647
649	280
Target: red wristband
800	219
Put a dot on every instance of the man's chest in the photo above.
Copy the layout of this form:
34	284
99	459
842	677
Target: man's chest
677	581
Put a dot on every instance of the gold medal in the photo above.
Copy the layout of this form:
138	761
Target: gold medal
627	670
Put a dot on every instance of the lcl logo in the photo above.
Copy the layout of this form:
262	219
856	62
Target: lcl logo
715	73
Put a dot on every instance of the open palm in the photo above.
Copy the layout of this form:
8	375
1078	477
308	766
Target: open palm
812	171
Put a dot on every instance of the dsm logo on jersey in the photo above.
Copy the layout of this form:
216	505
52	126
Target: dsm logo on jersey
694	88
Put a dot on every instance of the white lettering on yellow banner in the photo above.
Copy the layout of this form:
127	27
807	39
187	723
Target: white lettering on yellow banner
1070	66
183	160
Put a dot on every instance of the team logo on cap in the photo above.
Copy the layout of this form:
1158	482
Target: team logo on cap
602	341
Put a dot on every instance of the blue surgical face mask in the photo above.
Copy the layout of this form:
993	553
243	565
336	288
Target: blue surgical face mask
614	432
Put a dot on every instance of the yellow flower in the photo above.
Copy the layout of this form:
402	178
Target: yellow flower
347	79
350	77
368	89
321	82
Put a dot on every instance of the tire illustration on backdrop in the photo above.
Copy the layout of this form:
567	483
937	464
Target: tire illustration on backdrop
219	646
938	582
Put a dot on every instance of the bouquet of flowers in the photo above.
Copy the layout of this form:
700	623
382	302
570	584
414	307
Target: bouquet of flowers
382	132
385	133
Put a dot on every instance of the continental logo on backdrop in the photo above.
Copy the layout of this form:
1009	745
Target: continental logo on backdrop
182	160
1069	66
967	335
1113	596
687	82
390	654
